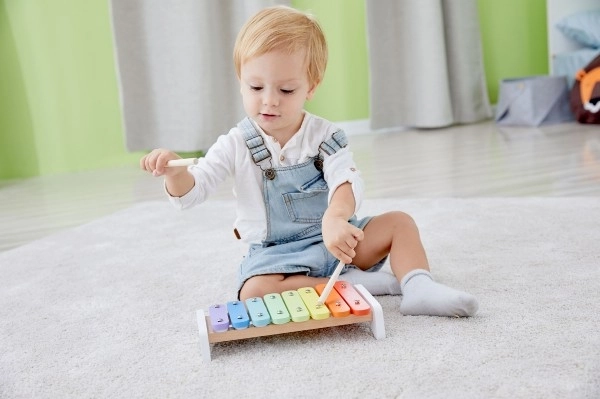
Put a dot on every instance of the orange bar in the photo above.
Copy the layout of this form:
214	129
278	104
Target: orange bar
358	305
337	306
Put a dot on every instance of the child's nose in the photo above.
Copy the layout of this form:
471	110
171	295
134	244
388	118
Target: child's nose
270	98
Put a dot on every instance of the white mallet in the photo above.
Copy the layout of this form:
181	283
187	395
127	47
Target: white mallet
182	162
330	283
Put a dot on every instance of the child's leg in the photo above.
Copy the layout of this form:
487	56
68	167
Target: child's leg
271	283
396	234
377	283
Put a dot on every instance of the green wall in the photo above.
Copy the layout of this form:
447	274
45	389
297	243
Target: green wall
59	108
62	111
344	94
17	141
514	37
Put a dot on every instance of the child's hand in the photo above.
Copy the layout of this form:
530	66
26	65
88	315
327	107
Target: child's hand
156	163
341	237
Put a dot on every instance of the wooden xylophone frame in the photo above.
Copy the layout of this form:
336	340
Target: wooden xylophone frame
208	336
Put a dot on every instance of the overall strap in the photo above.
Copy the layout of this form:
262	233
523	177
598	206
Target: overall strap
337	141
255	143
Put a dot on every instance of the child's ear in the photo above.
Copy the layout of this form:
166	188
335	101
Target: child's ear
311	91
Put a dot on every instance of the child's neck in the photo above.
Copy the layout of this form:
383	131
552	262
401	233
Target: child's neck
284	135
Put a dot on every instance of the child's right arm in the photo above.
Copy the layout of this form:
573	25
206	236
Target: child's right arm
178	181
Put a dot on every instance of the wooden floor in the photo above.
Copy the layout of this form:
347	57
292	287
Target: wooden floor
480	160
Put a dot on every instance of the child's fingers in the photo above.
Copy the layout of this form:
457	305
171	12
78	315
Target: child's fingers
148	161
160	163
156	161
351	242
358	234
344	256
341	250
354	237
346	250
143	162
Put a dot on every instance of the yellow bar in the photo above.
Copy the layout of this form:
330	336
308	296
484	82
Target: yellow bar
310	298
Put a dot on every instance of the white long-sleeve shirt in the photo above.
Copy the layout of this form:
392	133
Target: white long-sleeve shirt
229	156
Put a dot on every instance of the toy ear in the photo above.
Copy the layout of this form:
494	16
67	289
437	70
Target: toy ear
585	93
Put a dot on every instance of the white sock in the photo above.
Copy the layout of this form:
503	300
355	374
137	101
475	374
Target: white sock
423	296
377	283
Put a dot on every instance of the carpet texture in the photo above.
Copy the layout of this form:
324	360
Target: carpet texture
107	310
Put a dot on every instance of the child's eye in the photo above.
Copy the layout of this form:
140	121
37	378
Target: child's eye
287	91
255	88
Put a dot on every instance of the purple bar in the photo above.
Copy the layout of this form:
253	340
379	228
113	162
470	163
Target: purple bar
219	320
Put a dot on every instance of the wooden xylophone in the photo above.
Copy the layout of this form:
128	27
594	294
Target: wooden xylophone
289	311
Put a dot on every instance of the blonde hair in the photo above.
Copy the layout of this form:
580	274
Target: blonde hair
284	29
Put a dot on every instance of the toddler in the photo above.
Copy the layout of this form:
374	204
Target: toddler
296	184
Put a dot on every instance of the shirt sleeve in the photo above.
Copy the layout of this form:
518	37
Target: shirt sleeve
208	173
340	168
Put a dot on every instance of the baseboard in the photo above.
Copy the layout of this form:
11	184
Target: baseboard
354	127
363	126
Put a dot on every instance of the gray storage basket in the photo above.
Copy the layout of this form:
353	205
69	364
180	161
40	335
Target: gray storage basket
533	101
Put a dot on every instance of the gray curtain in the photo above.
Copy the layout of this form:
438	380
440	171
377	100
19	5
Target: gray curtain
426	63
176	77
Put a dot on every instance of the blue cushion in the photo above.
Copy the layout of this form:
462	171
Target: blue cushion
582	27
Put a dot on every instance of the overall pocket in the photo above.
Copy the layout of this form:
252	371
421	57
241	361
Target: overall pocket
309	204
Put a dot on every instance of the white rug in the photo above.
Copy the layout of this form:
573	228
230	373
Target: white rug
107	310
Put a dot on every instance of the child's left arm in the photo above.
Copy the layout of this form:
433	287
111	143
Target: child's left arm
339	236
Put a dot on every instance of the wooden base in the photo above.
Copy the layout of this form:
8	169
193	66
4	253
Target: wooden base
273	329
208	336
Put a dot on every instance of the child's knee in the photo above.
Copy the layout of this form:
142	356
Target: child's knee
403	220
250	289
259	286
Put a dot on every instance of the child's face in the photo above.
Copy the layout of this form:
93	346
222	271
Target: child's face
274	87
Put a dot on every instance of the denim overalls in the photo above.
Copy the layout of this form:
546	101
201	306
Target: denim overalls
295	201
